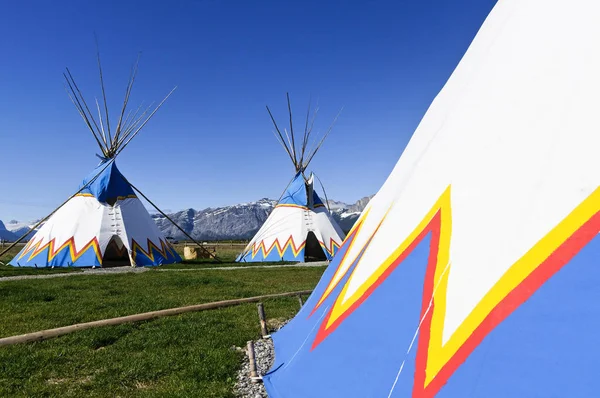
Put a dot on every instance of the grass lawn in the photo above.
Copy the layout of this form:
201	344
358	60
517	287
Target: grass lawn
206	263
12	271
226	254
10	254
182	356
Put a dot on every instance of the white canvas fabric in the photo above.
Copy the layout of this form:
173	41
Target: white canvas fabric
283	236
78	234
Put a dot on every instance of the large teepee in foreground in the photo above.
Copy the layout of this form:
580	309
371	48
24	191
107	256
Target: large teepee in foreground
104	223
300	227
474	270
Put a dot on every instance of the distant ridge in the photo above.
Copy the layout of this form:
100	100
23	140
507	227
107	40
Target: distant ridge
5	234
243	220
236	222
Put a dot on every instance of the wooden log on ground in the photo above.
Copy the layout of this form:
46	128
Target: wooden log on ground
50	333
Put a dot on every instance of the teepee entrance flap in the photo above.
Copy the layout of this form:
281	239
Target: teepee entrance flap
116	253
312	249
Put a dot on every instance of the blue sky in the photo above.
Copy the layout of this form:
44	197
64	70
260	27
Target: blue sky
211	144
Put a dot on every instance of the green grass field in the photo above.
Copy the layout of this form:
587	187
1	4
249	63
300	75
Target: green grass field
181	356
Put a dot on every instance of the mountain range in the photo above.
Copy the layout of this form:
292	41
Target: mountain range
243	220
5	234
237	222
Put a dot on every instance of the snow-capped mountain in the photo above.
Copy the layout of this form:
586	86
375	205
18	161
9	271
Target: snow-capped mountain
239	221
231	222
5	234
243	220
20	228
346	215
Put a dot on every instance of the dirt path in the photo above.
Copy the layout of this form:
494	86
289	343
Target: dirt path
122	270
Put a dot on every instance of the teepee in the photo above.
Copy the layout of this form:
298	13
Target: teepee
104	223
300	227
474	270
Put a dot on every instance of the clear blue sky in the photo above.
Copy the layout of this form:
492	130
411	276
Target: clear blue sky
211	144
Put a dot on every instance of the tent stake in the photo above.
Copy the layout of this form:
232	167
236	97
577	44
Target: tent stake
252	359
300	301
263	322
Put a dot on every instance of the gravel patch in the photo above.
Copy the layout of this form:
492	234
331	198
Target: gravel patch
264	354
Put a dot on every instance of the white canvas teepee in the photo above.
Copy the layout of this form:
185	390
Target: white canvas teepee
300	227
104	223
478	258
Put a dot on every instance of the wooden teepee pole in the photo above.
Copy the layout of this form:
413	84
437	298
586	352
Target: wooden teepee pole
285	146
292	128
204	250
103	93
314	152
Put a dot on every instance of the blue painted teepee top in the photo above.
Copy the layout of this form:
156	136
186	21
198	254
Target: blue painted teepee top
110	184
296	193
